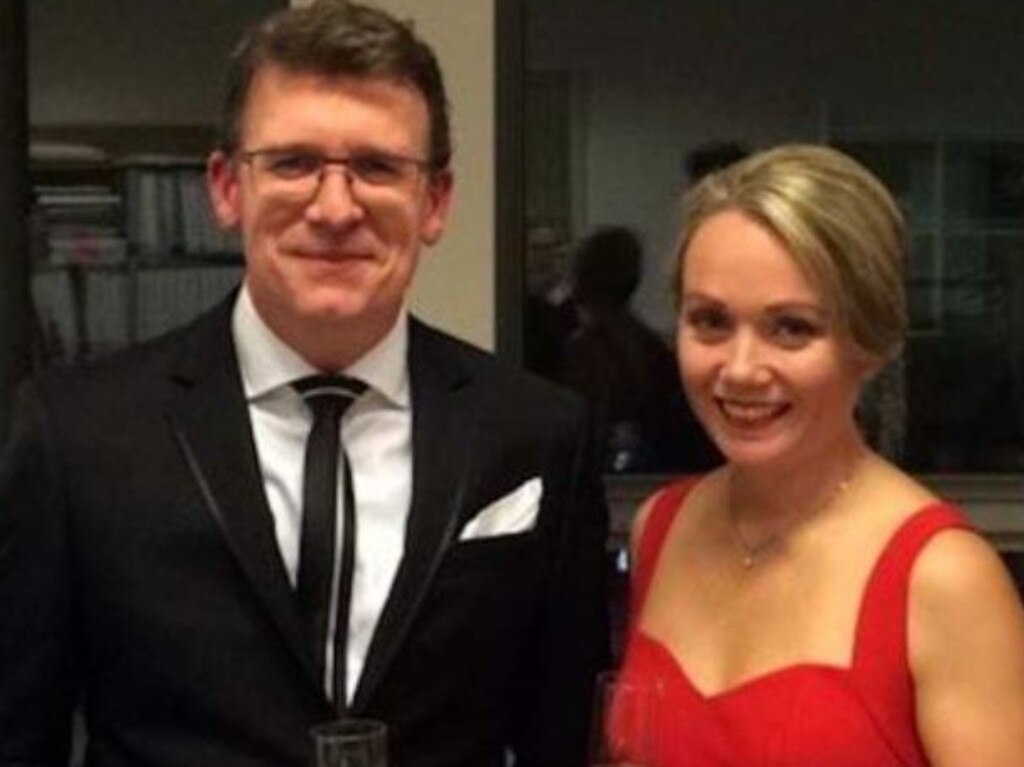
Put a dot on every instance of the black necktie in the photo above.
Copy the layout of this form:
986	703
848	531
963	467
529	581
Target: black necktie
328	397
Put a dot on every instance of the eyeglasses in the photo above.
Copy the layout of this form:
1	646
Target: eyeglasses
297	174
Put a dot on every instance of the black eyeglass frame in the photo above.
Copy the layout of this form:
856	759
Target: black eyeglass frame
361	166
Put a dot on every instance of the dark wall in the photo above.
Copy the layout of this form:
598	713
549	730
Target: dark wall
1015	563
14	298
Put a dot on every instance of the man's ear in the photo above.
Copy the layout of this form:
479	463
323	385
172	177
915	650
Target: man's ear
223	186
436	206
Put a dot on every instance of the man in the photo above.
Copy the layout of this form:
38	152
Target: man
154	508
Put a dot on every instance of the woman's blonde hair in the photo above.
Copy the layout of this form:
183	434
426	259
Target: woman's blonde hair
840	224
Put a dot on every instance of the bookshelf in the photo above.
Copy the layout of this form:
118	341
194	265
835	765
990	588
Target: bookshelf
124	243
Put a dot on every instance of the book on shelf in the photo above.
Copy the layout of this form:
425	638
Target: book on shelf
168	298
168	211
75	196
85	313
78	224
201	234
66	153
84	248
54	302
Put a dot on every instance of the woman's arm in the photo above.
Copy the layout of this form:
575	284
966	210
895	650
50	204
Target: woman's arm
966	647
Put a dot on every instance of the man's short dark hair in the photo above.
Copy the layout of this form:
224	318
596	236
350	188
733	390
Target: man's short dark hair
336	38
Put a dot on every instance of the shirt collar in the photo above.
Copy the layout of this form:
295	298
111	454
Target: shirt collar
268	364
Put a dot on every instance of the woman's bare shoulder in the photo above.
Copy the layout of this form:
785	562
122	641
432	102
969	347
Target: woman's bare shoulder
639	524
892	495
966	651
959	570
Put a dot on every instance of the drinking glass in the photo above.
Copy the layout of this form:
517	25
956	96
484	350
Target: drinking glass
626	725
350	743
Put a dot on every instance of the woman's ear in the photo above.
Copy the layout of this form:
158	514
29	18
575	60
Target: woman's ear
867	364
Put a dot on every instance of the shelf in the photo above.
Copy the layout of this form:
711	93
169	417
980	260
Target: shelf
121	140
172	261
126	245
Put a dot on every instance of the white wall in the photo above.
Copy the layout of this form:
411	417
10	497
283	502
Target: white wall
455	286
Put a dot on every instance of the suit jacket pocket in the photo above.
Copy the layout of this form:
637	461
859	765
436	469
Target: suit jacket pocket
482	599
499	556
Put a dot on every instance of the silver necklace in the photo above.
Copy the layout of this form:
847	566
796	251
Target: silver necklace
752	554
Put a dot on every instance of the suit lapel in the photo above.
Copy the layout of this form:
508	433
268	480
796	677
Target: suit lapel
445	419
209	417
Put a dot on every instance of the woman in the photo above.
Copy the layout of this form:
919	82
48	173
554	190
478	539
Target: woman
808	603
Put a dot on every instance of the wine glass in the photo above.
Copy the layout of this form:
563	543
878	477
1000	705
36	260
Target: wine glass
350	743
626	725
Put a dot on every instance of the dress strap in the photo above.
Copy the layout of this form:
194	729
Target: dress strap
665	505
880	662
882	624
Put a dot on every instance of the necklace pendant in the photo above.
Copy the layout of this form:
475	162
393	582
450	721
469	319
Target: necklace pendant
749	560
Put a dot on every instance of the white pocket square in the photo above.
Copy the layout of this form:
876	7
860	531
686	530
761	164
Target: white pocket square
512	513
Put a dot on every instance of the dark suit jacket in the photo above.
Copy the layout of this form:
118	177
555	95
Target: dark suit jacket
139	567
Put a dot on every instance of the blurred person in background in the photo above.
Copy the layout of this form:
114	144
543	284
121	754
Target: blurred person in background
623	368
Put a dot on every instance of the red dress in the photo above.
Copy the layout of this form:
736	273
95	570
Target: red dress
808	714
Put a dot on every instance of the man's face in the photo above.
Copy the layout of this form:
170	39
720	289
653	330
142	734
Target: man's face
332	251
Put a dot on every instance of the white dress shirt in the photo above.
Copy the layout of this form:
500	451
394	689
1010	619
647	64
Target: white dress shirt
376	433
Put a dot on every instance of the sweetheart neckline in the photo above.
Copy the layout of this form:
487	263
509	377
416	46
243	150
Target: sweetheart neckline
744	685
875	573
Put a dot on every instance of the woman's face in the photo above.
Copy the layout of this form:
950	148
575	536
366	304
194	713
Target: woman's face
760	356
